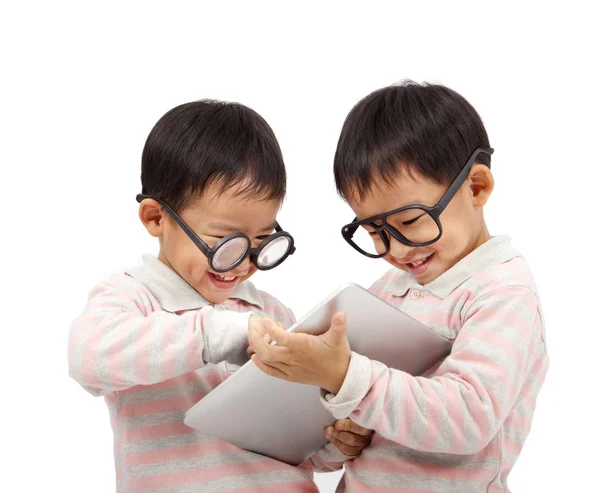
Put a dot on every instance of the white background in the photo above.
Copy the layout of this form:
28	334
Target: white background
82	86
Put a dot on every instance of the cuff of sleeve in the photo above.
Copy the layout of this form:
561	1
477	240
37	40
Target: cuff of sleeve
330	453
227	339
355	387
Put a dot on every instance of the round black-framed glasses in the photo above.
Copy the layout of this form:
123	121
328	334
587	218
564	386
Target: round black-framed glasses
413	225
231	250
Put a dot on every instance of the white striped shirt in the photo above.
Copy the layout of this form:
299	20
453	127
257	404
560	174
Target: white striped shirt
153	347
461	426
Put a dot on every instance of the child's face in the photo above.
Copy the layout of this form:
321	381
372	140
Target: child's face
213	216
462	221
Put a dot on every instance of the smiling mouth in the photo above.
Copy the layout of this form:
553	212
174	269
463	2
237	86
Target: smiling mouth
225	278
418	266
222	281
419	262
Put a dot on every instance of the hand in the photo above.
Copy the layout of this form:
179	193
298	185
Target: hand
314	360
348	437
256	330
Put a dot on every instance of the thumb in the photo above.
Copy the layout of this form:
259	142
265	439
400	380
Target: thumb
337	331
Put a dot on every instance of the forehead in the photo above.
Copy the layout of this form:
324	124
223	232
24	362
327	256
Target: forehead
232	208
402	190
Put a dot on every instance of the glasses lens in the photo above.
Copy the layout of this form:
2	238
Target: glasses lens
415	225
229	253
368	240
274	251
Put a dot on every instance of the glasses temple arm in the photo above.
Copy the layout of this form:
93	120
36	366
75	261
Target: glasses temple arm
460	179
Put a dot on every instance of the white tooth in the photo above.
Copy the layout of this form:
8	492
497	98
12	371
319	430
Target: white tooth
419	262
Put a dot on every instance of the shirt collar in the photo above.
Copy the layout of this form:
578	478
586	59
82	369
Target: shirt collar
175	294
496	250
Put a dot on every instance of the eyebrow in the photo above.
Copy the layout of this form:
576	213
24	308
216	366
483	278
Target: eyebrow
232	229
385	212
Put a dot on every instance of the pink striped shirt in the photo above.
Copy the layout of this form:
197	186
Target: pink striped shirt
153	347
461	426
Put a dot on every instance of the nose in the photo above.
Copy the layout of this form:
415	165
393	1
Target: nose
399	250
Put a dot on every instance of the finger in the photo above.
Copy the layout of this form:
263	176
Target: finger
343	424
337	330
280	365
269	354
275	331
268	369
252	342
348	425
342	447
351	439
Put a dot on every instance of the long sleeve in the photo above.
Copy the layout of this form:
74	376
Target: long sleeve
461	407
329	459
120	341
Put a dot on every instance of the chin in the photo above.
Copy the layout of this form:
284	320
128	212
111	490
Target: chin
215	297
219	298
211	295
426	279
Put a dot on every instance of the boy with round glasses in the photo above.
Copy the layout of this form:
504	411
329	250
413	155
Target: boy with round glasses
155	340
413	163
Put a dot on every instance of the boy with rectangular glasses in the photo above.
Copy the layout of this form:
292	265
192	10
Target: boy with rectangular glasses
413	163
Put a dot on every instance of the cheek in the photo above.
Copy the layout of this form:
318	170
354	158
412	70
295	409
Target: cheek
456	236
194	267
251	272
184	256
451	234
379	245
393	263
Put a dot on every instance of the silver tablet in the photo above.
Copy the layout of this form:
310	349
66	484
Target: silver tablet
286	421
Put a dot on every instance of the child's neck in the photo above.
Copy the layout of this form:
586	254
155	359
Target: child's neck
161	256
482	238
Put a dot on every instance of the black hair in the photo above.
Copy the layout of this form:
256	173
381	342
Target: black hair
401	128
204	143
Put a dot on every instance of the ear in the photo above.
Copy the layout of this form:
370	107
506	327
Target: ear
481	183
152	214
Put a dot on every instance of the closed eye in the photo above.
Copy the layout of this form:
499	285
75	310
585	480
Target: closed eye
373	227
412	221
